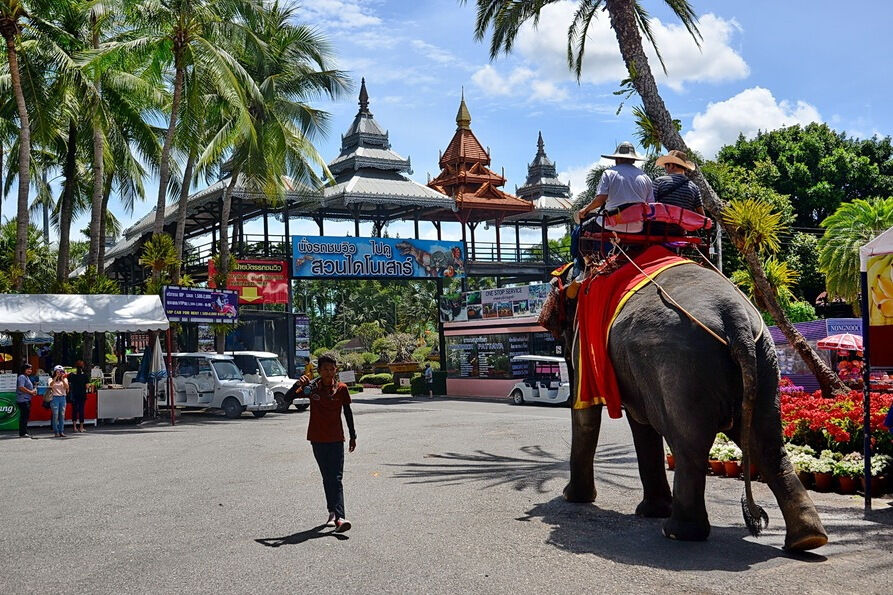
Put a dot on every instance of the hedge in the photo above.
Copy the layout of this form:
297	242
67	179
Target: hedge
389	389
376	379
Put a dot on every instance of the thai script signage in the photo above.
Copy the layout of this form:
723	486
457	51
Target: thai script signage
256	281
880	310
187	304
503	302
376	258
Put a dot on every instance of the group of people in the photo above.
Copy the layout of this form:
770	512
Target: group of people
63	388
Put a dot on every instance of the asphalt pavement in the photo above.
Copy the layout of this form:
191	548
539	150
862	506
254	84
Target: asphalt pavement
445	496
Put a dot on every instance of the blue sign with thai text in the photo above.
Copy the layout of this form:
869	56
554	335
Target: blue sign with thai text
324	256
189	304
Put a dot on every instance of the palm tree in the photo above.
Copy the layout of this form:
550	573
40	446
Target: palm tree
12	16
269	147
630	21
851	226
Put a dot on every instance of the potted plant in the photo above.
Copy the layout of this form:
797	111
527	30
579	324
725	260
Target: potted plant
802	457
671	460
716	465
880	464
848	470
730	455
822	471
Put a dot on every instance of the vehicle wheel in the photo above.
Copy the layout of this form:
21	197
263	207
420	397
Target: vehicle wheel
258	414
281	403
517	397
232	408
302	407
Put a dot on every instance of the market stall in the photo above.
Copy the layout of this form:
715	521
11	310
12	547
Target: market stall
55	313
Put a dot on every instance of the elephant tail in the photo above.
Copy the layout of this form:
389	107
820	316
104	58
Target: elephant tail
744	351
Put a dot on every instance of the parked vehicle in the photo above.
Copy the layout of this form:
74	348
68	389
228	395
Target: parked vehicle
213	381
265	368
547	381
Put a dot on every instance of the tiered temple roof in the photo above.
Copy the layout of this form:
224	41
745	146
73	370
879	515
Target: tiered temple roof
466	177
369	176
550	196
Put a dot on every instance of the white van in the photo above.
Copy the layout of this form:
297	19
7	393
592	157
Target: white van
265	368
213	381
547	381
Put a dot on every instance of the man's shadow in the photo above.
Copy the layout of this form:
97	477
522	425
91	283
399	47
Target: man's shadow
301	537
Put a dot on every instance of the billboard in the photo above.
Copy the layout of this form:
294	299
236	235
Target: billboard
376	258
502	302
257	281
302	338
880	310
187	304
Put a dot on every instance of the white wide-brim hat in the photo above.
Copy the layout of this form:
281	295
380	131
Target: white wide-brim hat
625	150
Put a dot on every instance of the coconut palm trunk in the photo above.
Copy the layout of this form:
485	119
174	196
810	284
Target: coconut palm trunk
66	206
224	254
626	28
181	213
164	171
96	212
9	30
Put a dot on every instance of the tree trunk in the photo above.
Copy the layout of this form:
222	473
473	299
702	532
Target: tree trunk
223	264
164	172
21	249
625	25
67	206
96	213
181	214
103	223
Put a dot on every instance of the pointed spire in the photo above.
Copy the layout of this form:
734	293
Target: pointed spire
540	145
364	97
463	117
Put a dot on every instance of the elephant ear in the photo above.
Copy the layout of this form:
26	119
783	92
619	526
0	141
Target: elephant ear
755	517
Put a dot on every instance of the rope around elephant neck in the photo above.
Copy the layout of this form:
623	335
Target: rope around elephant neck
668	296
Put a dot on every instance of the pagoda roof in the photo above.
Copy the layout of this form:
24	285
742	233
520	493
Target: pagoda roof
465	177
551	198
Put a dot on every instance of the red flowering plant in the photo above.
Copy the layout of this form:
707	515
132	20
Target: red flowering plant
835	424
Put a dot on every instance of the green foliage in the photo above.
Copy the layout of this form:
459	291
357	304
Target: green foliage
757	223
818	168
850	227
418	386
41	275
92	283
368	332
802	255
376	379
389	389
159	256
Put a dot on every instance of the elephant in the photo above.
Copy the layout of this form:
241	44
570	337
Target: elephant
679	383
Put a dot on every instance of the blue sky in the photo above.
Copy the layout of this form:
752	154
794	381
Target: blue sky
762	64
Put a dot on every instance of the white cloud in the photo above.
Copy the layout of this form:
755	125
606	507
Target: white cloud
746	113
432	52
576	176
339	14
543	50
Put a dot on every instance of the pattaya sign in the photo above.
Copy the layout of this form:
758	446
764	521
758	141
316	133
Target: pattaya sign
256	281
188	304
322	256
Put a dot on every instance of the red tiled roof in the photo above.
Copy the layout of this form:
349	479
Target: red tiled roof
464	147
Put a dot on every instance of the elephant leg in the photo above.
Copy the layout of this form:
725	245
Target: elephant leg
688	520
586	424
803	528
658	500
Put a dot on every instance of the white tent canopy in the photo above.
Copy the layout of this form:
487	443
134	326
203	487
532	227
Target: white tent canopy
62	313
883	244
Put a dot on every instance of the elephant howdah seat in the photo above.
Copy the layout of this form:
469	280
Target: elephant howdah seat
665	224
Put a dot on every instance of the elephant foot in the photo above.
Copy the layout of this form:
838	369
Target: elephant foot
686	530
807	536
576	493
655	509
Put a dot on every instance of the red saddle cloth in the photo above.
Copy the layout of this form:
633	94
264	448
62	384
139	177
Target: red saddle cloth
600	299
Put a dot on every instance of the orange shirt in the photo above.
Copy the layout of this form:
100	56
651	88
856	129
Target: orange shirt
325	413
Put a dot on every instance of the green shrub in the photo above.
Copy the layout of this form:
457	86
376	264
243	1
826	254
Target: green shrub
403	390
354	389
417	386
389	389
376	379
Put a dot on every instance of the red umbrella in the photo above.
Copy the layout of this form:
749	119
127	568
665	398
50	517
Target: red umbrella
845	341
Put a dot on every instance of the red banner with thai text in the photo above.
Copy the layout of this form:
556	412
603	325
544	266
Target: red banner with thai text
257	281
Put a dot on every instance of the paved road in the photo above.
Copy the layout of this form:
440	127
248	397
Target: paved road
445	496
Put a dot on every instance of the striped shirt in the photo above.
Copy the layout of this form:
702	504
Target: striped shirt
685	195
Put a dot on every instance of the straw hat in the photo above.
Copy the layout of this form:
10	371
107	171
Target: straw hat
677	157
625	150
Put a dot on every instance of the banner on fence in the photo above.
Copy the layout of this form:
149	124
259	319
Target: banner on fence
188	304
256	281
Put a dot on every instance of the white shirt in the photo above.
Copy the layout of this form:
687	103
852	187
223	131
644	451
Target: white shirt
624	184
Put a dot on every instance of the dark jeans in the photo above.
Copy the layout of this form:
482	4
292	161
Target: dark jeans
77	409
24	415
330	458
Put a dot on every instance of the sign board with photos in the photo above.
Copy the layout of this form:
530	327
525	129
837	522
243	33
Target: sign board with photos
302	338
502	302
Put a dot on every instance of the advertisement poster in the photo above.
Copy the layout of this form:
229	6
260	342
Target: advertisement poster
503	302
880	310
256	281
186	304
302	338
376	258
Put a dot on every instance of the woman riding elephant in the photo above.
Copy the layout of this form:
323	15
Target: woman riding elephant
683	383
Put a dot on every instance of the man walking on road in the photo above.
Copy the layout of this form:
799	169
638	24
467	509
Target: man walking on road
429	380
326	434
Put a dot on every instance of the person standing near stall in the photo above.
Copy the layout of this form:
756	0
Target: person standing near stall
24	391
77	385
59	391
